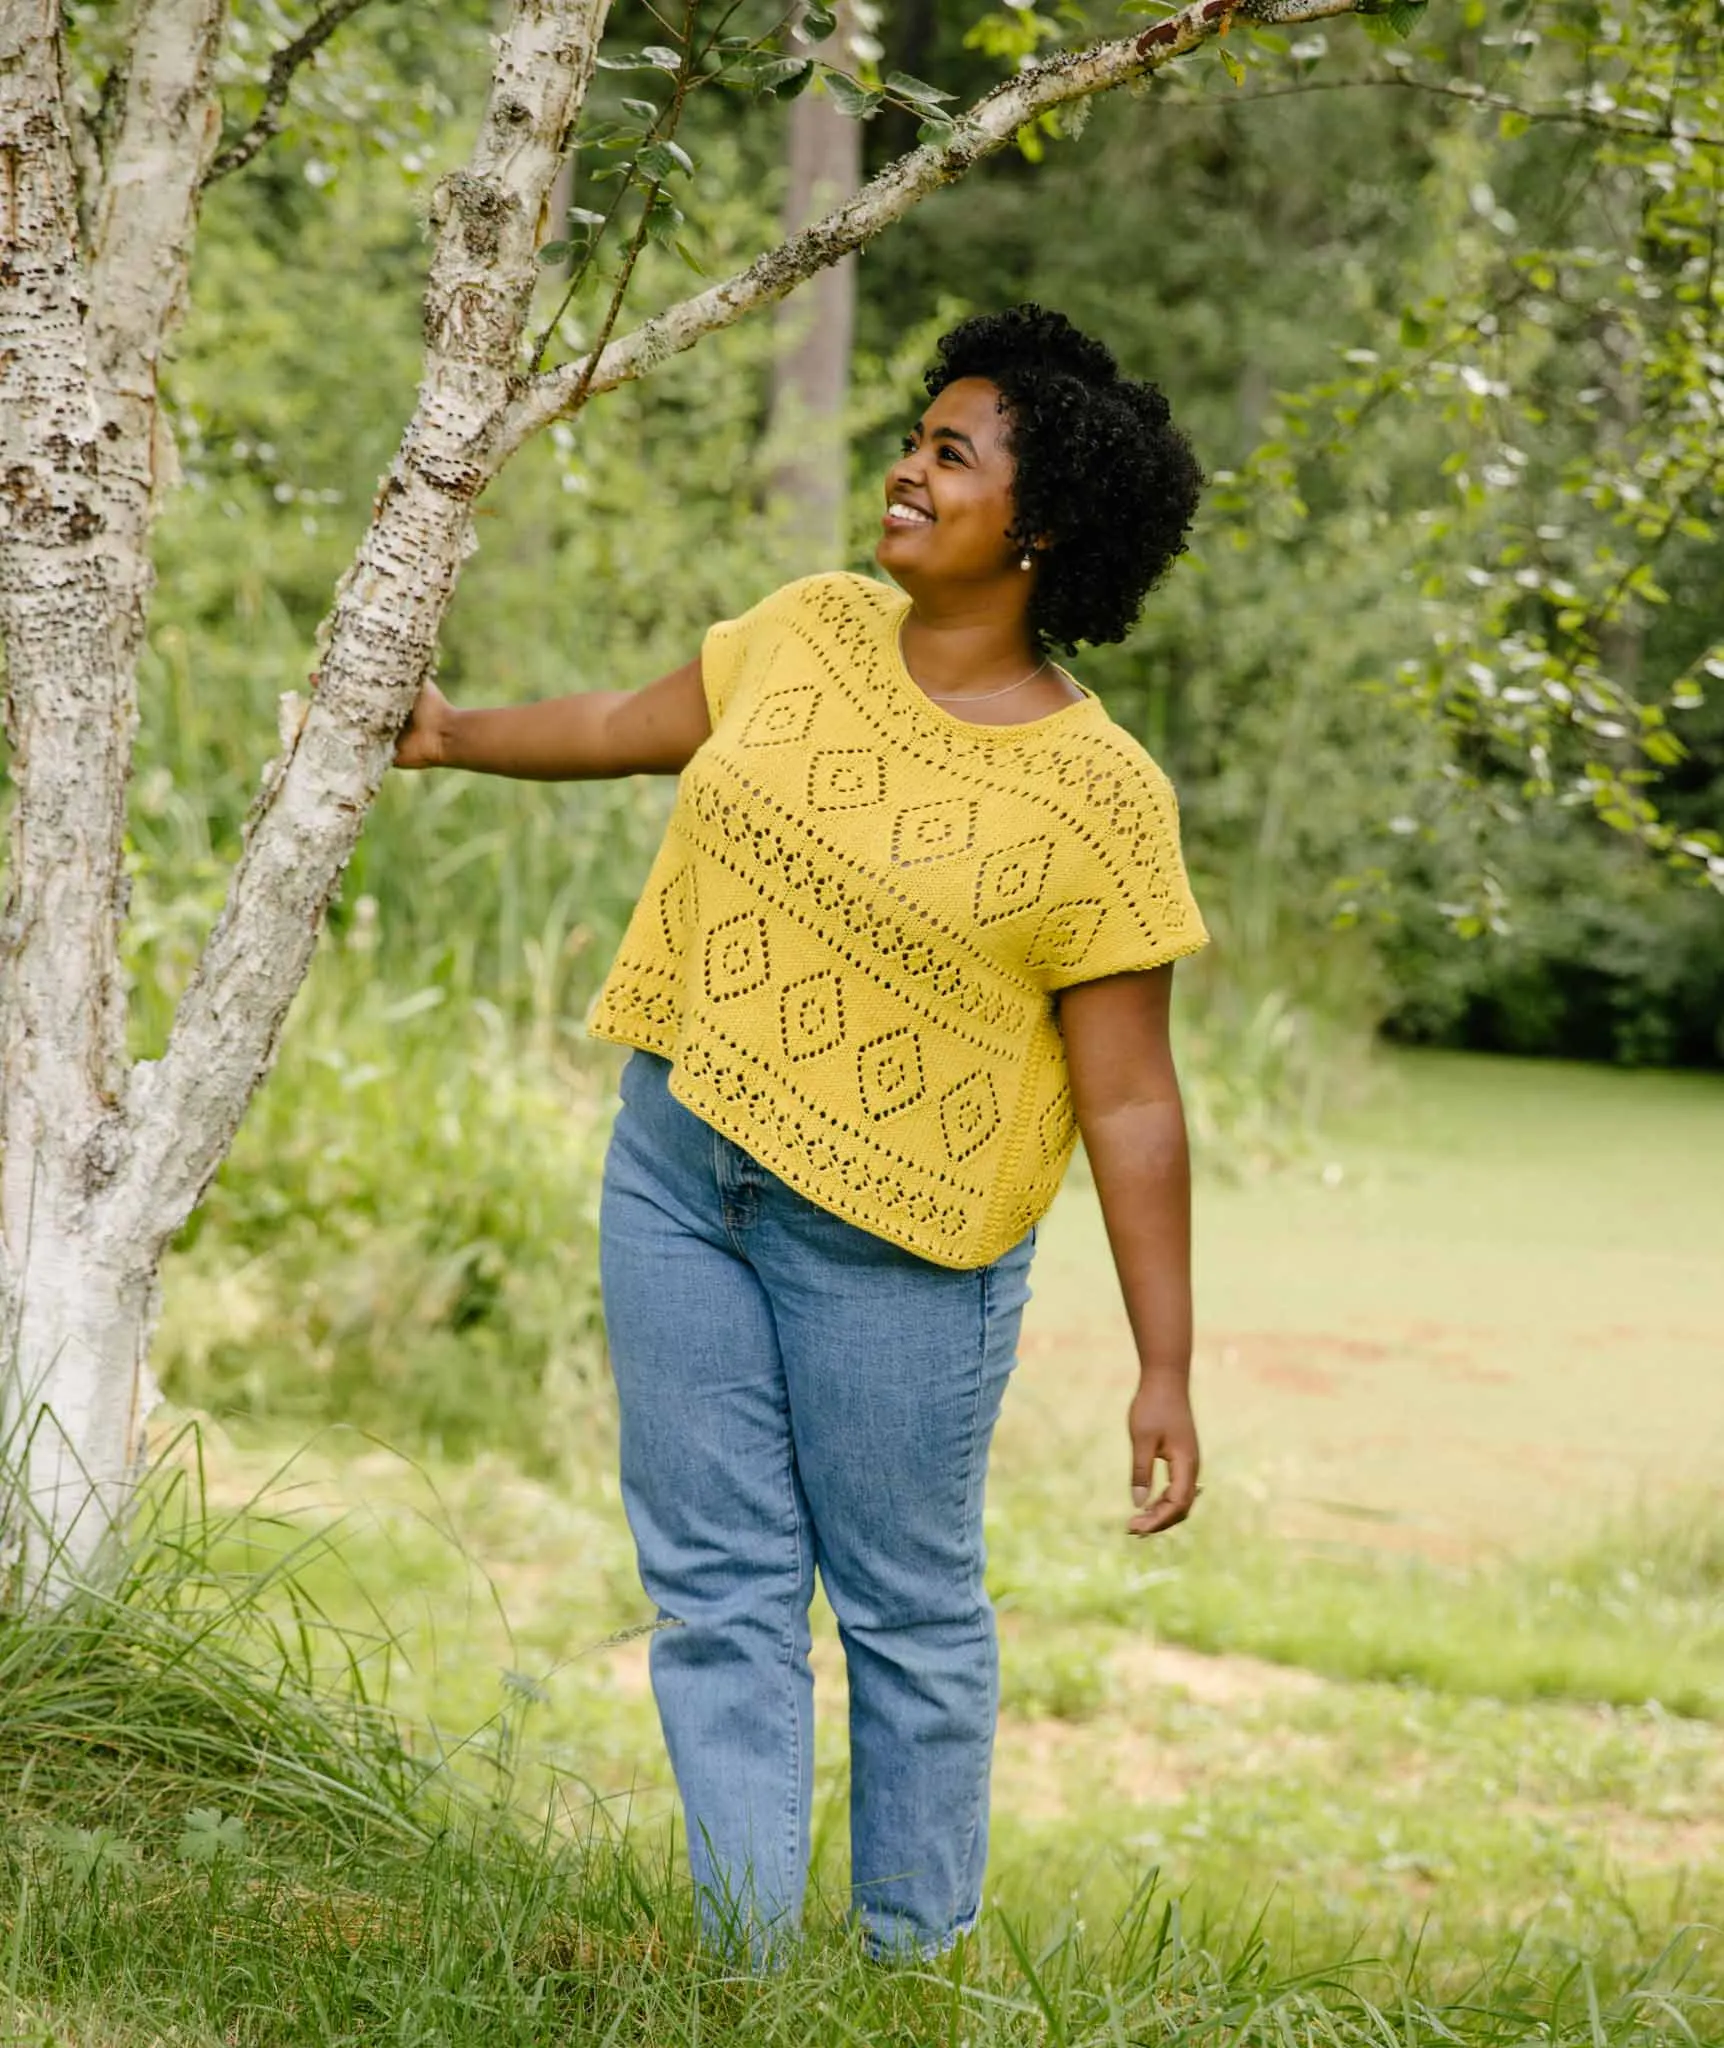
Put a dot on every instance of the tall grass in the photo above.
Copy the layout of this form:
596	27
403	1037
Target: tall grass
206	1839
405	1236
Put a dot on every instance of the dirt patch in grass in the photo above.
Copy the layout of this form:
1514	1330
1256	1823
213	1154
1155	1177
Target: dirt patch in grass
1227	1681
1047	1770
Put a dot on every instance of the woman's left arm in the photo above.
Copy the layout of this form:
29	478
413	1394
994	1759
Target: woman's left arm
1126	1095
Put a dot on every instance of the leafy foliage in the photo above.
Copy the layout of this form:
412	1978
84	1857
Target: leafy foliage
1460	568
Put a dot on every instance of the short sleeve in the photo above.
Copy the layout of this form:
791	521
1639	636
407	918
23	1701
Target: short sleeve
723	654
731	644
1134	909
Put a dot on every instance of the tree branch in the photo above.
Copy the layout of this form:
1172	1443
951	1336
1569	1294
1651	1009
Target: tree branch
266	123
1476	96
988	127
380	641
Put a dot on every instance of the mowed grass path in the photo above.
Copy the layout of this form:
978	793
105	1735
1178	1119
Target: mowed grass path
1482	1332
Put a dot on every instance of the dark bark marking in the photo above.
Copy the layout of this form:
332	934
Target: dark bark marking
483	209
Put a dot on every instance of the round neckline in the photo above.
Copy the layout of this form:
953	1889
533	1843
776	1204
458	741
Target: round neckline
1011	729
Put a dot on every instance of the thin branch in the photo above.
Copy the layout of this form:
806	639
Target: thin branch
662	129
163	123
988	127
1473	96
288	60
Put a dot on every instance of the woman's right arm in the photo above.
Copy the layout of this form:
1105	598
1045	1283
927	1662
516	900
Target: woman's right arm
593	734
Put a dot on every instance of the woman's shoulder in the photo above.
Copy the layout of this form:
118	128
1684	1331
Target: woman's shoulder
836	593
1099	761
829	598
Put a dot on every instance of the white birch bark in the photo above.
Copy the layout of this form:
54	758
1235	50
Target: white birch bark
77	446
101	1167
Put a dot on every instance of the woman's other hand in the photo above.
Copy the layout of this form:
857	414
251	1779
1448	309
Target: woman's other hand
1161	1428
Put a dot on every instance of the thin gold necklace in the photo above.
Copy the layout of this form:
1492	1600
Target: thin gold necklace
982	696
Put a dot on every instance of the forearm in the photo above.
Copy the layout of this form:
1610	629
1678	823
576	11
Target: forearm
652	731
561	739
1140	1163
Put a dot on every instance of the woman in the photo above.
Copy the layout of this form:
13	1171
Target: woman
910	930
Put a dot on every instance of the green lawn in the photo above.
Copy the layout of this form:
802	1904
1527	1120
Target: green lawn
1490	1313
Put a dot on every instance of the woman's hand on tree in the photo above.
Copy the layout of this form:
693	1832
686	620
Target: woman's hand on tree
424	742
1161	1427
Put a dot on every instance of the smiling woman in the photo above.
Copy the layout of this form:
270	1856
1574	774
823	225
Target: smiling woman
910	930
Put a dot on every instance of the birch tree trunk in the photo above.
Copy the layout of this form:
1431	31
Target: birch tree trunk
78	448
100	1165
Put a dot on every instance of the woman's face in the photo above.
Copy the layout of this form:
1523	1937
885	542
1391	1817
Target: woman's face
949	503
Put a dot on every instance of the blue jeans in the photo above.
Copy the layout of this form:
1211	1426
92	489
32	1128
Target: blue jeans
796	1395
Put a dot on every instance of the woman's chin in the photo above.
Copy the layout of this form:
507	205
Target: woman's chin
895	553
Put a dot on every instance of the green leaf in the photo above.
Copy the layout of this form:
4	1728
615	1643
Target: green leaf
937	132
584	217
1232	66
555	252
646	109
663	221
662	59
1404	16
784	77
817	24
917	91
91	1852
860	102
1414	332
207	1834
661	160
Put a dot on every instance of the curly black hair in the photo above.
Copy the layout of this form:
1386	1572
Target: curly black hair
1106	484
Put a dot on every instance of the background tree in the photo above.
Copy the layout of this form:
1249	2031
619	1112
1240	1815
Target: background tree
816	326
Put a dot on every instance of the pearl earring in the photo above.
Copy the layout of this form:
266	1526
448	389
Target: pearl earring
1025	561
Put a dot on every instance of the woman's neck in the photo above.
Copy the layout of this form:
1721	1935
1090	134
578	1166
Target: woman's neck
957	648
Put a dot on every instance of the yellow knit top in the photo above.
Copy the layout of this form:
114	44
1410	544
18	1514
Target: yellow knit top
851	941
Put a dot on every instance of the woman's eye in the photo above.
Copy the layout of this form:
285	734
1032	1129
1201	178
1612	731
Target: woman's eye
907	446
